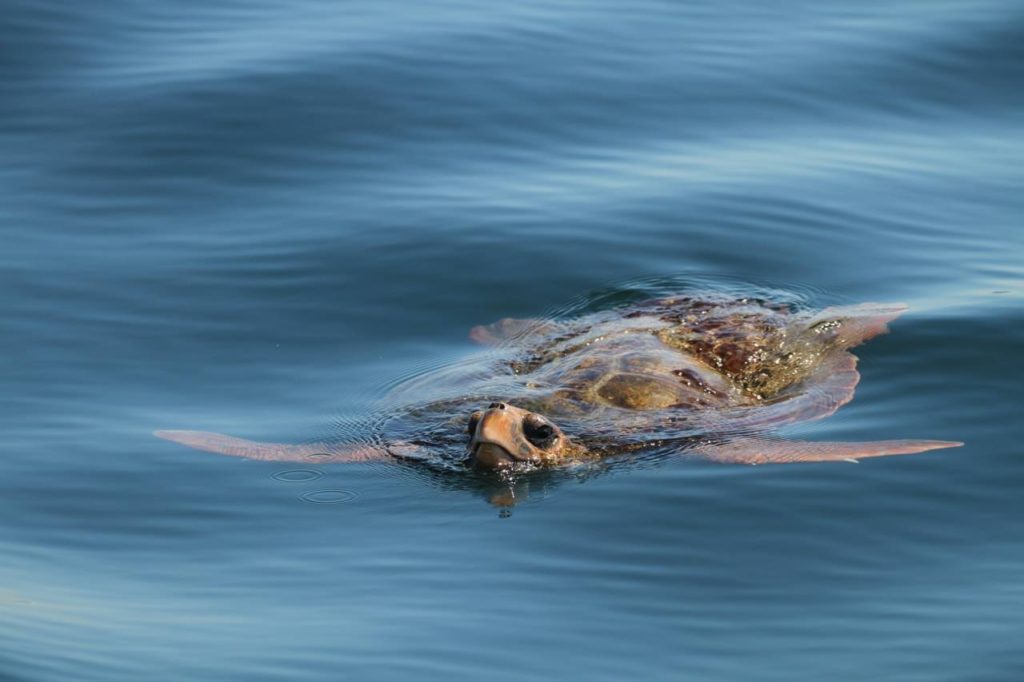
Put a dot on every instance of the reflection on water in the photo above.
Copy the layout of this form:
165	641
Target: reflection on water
282	222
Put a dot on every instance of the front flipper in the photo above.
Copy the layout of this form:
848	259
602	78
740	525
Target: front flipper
779	451
311	453
509	328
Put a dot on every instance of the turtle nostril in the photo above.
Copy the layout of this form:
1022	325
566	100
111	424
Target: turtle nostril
496	406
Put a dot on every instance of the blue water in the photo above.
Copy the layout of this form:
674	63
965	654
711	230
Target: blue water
259	218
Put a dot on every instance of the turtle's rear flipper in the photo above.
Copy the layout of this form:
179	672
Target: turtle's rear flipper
310	453
778	451
852	325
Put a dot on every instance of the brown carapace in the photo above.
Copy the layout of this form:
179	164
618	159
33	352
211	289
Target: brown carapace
705	376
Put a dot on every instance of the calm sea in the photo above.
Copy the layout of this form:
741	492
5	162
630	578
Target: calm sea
259	218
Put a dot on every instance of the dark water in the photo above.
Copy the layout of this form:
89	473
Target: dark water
256	217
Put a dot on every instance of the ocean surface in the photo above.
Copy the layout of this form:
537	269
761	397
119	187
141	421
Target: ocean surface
265	218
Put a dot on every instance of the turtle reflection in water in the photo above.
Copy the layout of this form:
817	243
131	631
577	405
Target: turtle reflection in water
706	376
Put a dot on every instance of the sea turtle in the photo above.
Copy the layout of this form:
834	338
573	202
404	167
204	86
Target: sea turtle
706	375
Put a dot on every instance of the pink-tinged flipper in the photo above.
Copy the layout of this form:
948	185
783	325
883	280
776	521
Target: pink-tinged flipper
509	328
275	452
778	451
858	323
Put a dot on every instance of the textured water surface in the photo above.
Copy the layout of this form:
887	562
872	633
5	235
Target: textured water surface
264	219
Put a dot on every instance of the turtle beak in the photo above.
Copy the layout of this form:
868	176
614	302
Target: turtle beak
498	441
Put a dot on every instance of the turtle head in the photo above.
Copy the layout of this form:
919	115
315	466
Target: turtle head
504	434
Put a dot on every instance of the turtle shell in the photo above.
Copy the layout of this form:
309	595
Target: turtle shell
702	362
660	370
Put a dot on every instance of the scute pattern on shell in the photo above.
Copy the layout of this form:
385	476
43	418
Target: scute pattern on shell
764	348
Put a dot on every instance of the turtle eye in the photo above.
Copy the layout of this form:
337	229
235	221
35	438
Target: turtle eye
538	431
474	419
